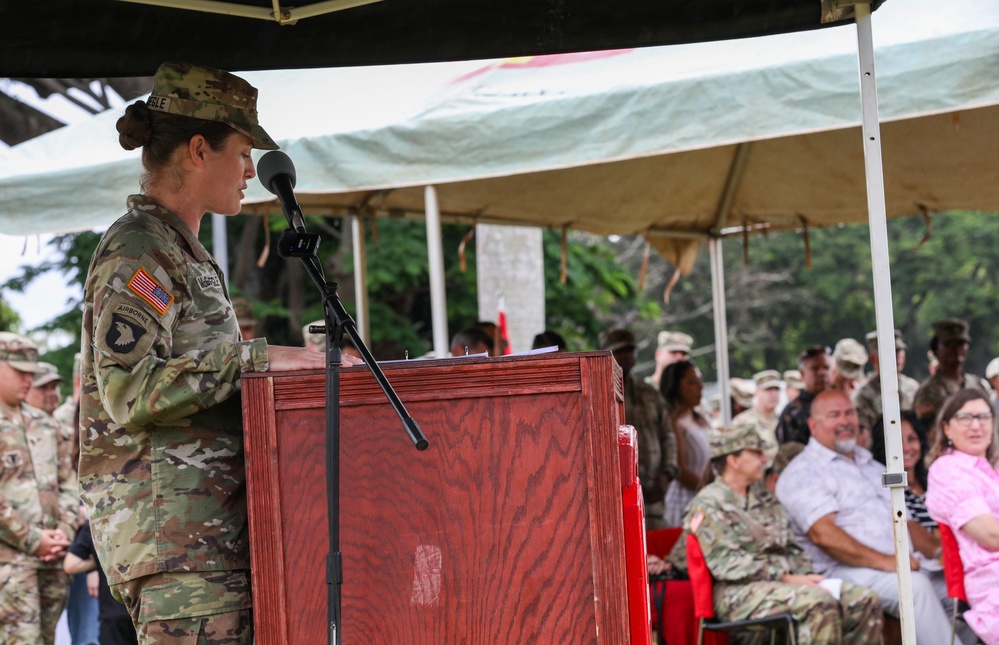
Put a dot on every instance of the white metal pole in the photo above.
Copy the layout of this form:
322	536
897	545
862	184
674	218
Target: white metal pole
360	278
721	324
220	245
895	478
435	253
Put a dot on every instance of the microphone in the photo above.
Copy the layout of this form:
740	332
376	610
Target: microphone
277	173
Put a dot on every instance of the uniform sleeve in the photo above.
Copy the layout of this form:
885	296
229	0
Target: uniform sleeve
669	465
15	531
140	377
69	498
729	553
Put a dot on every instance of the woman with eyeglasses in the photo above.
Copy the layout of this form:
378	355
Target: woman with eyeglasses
963	493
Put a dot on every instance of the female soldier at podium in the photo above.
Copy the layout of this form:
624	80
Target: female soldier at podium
161	464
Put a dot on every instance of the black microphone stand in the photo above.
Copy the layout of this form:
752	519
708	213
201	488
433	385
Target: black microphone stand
338	322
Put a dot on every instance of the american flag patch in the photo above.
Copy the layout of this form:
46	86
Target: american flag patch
150	290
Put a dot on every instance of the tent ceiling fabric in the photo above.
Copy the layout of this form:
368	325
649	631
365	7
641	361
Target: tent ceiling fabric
621	142
70	38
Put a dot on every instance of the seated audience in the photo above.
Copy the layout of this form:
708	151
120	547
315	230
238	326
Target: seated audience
758	566
682	387
924	533
842	515
963	493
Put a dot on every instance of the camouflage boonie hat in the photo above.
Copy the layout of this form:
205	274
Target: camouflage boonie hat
741	435
209	94
675	341
767	379
615	339
792	378
742	391
19	352
48	373
949	331
850	358
872	341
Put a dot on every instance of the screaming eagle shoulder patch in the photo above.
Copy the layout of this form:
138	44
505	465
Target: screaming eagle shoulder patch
146	287
123	334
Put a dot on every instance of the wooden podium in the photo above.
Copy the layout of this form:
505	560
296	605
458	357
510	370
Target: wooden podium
507	529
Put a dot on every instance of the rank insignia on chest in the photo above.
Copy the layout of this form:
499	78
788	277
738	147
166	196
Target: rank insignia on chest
123	334
147	288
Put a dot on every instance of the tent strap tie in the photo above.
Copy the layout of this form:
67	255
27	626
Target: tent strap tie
674	279
564	276
266	251
929	226
644	271
462	261
808	244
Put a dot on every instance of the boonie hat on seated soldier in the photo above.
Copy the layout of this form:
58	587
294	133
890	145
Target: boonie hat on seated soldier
951	330
210	94
49	373
850	358
19	352
615	339
872	341
767	379
675	341
741	435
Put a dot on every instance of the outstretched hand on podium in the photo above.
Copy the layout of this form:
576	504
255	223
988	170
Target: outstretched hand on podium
283	359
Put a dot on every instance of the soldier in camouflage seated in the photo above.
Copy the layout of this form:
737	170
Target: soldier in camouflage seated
758	567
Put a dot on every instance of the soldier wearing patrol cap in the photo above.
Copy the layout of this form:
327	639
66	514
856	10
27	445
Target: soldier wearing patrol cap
758	566
992	375
44	393
671	346
867	398
793	384
949	344
763	415
849	359
40	506
161	465
645	409
743	391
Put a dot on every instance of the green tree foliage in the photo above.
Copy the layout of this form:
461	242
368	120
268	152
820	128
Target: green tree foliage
777	305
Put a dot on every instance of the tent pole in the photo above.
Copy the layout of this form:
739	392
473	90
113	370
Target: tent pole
435	253
721	323
894	479
360	278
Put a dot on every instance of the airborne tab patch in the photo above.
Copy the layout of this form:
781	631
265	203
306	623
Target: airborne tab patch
123	334
147	288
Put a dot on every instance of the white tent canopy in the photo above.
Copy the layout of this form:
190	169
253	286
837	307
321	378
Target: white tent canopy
632	141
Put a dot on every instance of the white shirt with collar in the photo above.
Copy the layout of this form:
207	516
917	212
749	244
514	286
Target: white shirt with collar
821	481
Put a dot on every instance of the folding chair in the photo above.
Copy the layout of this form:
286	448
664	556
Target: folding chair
953	574
704	606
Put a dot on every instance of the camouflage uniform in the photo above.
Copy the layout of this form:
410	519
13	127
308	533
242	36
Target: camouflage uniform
645	409
765	427
161	466
749	546
935	390
867	398
37	491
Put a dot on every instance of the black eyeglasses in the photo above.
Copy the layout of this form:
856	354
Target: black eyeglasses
813	351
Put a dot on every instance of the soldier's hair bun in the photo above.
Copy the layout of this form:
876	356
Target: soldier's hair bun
135	128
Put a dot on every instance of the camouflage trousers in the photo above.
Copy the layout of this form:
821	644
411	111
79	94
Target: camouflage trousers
31	601
190	608
854	619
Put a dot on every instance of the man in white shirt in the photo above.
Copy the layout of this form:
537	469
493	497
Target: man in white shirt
842	515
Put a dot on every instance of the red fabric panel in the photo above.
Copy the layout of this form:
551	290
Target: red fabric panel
635	566
953	567
700	579
660	541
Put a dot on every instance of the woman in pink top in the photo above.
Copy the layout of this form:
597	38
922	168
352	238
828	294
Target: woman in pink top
963	492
